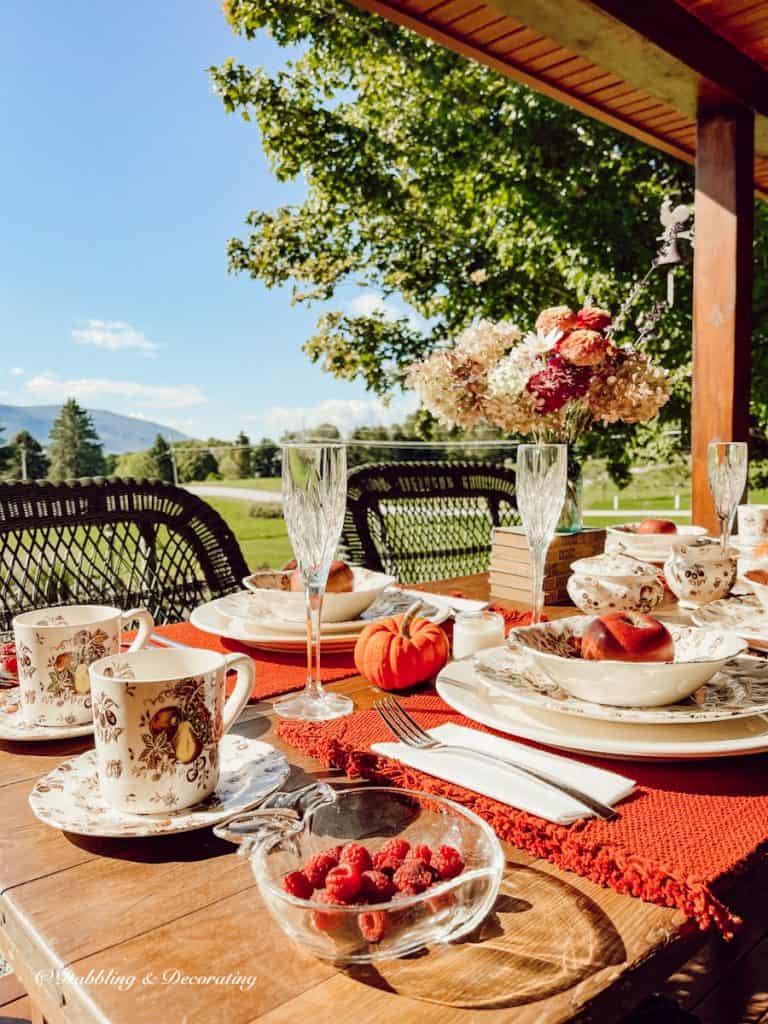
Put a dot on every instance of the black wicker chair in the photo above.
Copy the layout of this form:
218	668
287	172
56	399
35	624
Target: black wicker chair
115	541
427	520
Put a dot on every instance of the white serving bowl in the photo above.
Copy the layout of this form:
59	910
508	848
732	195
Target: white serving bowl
290	604
699	654
649	547
760	590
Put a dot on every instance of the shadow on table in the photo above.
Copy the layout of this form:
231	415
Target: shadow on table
543	936
199	845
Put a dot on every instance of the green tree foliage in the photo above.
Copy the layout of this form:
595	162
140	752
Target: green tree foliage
22	446
140	465
266	458
241	455
436	179
195	464
74	449
161	453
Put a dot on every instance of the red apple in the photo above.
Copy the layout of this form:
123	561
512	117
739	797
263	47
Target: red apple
341	579
627	636
656	526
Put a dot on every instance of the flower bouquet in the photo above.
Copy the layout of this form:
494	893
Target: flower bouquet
553	383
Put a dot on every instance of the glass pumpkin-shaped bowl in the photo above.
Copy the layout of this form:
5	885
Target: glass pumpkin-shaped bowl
369	815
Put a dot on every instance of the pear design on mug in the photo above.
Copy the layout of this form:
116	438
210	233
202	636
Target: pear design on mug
68	669
178	732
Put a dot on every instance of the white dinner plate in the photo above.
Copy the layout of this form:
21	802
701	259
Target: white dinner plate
743	615
458	686
69	797
248	619
209	619
739	690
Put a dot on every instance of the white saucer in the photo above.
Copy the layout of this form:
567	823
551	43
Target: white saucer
13	726
739	690
69	797
458	686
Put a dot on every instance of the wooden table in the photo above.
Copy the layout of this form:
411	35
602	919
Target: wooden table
77	915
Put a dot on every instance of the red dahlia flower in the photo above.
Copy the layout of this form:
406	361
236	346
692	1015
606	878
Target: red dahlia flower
558	383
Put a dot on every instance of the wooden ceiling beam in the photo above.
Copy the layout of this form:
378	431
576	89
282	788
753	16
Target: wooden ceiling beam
589	30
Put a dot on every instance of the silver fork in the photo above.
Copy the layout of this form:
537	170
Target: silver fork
408	731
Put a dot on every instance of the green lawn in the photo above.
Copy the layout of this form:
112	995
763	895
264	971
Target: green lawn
263	541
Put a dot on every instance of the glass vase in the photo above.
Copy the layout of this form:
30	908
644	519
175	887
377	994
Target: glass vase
572	516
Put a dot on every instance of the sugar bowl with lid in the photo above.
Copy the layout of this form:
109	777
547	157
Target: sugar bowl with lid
699	572
614	582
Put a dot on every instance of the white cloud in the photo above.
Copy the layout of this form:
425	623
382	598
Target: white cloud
16	371
368	303
113	335
154	395
346	414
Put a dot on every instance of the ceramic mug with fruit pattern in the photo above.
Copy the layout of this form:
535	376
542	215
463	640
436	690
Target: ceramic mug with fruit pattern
158	716
55	646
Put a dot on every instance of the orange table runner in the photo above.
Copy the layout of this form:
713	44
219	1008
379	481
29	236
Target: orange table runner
275	673
688	827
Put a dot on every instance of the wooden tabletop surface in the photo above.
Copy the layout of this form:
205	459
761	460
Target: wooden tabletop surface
128	931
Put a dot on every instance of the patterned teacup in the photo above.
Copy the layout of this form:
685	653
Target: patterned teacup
158	717
55	646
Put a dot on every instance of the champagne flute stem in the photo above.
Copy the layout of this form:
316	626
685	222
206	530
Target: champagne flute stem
725	524
314	593
538	552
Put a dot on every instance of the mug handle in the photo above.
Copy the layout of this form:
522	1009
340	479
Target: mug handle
146	625
236	701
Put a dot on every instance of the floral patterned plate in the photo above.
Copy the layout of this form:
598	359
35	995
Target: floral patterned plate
743	615
13	726
69	797
740	690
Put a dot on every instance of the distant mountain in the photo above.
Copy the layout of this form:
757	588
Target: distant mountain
117	433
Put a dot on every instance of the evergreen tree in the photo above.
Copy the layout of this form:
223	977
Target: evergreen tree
241	455
75	449
161	453
24	447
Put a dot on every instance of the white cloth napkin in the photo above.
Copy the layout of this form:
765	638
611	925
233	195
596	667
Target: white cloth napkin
507	785
461	604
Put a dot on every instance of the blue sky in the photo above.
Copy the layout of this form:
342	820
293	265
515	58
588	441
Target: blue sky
121	180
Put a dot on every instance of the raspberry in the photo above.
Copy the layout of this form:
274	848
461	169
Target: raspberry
317	868
326	921
398	848
391	855
413	876
376	887
343	883
8	663
448	862
357	856
373	924
420	852
297	884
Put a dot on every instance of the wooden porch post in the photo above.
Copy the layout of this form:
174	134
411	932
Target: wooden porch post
722	290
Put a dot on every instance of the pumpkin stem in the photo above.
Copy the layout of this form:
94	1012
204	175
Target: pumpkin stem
408	618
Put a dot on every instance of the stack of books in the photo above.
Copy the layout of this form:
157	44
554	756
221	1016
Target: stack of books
510	575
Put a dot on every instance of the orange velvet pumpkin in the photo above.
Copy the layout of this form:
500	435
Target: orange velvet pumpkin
400	651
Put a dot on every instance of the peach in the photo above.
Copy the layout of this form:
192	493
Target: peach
656	526
627	636
341	579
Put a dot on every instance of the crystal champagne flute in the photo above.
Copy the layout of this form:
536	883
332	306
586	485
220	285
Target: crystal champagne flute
727	472
314	500
542	471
